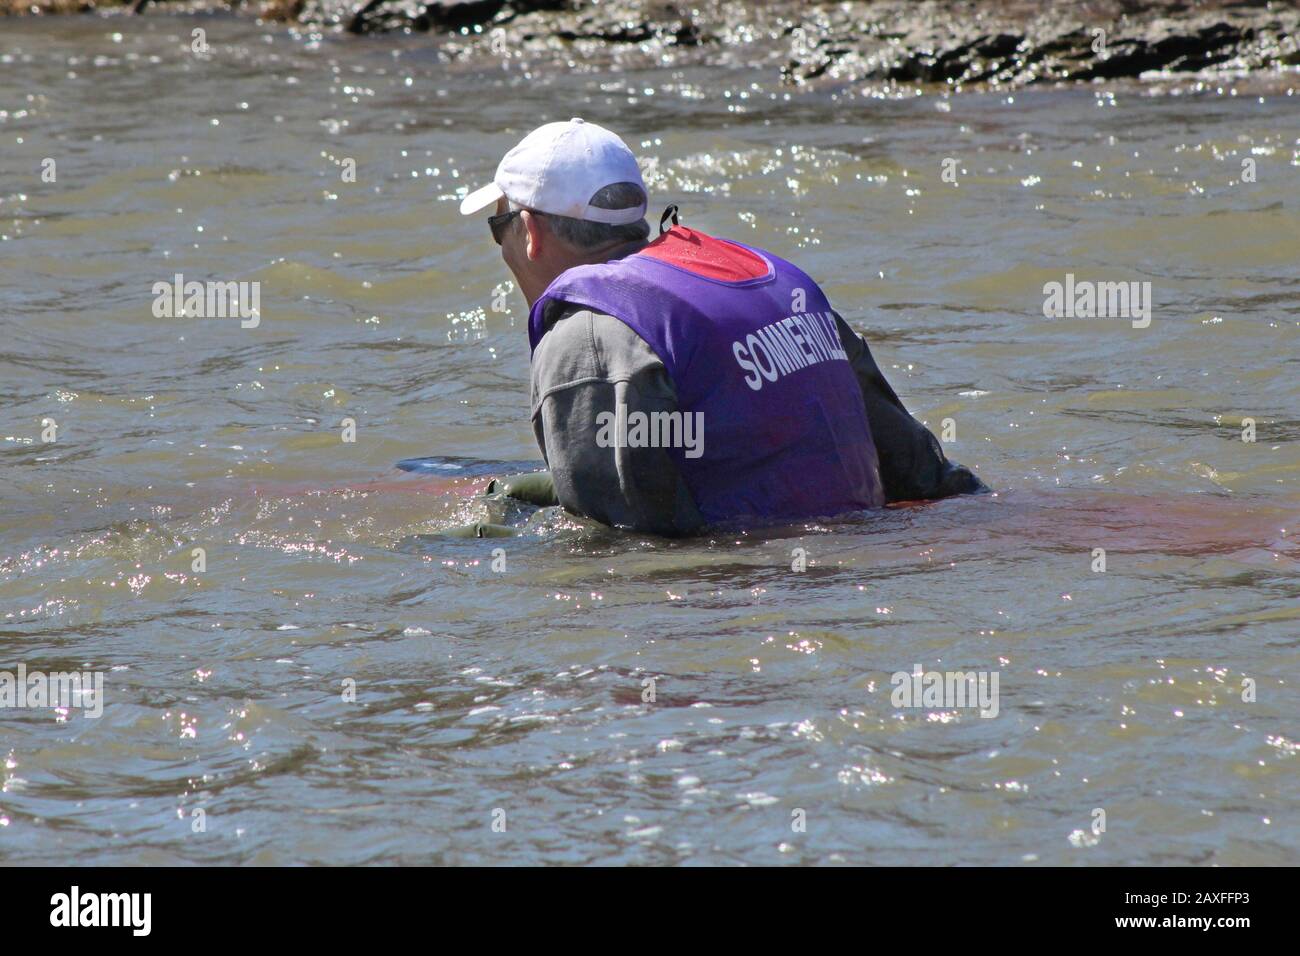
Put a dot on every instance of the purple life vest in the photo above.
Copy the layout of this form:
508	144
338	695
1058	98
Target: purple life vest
785	433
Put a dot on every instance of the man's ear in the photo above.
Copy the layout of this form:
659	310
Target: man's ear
535	235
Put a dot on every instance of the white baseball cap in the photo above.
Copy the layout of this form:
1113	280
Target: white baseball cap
559	168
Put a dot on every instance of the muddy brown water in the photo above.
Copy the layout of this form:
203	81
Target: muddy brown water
521	688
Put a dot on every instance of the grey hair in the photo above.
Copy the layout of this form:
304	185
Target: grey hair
585	234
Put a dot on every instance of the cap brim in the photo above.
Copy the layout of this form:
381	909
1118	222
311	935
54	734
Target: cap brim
480	199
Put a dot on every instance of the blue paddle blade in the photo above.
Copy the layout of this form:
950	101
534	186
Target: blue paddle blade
449	467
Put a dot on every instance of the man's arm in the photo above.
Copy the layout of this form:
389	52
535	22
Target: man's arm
912	464
589	363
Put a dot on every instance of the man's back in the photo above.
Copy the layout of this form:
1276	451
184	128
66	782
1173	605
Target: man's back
749	344
588	365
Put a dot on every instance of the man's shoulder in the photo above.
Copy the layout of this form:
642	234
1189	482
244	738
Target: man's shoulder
584	343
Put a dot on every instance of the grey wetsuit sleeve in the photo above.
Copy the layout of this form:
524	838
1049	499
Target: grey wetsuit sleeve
589	363
912	464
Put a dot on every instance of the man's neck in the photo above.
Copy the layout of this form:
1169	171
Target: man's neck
609	253
615	251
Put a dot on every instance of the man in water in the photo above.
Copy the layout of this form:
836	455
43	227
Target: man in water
688	381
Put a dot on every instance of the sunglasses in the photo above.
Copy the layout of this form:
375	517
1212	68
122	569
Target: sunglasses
498	224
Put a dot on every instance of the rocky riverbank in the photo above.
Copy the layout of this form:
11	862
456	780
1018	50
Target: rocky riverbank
968	43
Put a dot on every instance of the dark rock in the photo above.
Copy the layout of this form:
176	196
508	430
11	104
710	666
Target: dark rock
378	16
1005	43
446	16
1186	52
